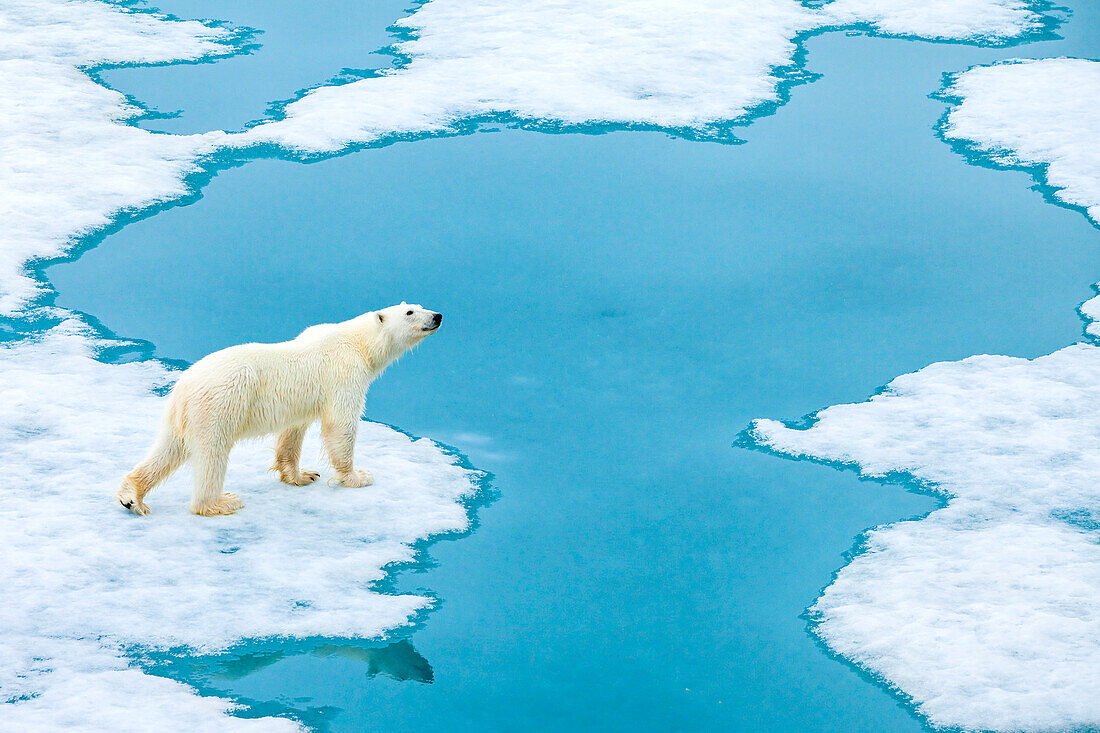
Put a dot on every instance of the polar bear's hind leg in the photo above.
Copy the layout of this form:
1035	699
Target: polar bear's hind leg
163	460
208	499
288	451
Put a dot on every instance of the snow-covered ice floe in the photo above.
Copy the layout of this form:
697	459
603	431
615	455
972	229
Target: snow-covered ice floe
70	162
1035	113
1041	114
985	613
82	580
687	65
73	163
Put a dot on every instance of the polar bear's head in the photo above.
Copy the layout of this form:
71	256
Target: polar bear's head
406	325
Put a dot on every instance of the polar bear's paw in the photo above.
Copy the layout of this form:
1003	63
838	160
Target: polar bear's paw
227	504
127	496
298	477
356	479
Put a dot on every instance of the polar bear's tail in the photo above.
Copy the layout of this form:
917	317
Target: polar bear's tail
166	455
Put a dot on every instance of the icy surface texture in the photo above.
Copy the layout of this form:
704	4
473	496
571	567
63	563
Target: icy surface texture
1043	114
986	613
70	161
690	64
83	580
296	562
1035	113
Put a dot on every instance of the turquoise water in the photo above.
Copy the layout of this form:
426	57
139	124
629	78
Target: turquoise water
618	307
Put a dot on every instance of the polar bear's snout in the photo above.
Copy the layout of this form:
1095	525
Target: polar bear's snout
416	317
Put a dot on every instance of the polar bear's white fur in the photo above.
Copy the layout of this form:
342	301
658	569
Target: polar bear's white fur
258	389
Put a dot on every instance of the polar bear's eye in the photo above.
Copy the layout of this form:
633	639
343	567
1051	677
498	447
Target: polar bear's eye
409	313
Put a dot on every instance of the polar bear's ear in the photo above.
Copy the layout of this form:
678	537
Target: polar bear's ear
381	317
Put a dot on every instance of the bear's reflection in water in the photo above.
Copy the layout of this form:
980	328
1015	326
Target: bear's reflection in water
398	661
212	674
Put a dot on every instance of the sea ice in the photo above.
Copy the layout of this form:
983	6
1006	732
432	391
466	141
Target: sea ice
689	64
82	578
1037	113
71	161
986	613
74	164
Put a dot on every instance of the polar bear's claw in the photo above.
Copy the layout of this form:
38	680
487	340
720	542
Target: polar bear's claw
128	498
305	478
302	478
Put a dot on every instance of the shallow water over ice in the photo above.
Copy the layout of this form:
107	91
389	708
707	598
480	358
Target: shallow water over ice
617	308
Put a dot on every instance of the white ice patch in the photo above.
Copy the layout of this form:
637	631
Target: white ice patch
70	161
72	164
1037	113
998	21
685	64
92	689
81	576
987	612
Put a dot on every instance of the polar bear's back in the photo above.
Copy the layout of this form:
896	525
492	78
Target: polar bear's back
253	389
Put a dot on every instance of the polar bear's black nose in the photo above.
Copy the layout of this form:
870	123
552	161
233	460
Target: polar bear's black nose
436	320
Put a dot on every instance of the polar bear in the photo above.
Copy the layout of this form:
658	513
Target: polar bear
257	389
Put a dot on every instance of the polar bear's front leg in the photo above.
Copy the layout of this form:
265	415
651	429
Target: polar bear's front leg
208	499
288	451
339	436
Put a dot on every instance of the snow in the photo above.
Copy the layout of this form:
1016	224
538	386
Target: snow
1035	113
688	65
91	689
296	562
986	613
945	20
685	65
1045	114
70	162
83	581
